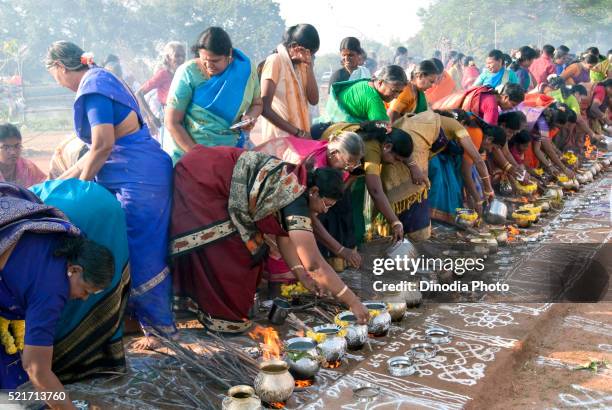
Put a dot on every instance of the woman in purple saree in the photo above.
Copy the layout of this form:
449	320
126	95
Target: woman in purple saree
128	162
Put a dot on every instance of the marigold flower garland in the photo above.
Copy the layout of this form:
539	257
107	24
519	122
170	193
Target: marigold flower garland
13	339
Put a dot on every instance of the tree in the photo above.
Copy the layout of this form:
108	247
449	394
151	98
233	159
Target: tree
471	25
135	28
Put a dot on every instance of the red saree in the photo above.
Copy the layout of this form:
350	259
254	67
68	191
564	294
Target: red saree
214	270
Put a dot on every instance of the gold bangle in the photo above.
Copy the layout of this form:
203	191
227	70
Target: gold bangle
340	250
487	177
396	223
411	163
507	167
488	193
342	292
296	267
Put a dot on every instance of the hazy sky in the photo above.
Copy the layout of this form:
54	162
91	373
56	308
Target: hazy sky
381	20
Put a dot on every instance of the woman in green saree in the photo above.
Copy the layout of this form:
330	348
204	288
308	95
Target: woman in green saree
210	93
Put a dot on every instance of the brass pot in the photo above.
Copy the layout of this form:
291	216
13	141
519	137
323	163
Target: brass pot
274	383
241	398
396	305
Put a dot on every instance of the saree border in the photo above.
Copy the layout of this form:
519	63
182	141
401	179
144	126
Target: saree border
87	332
191	241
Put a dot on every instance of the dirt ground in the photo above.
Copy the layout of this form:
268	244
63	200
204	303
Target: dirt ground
38	146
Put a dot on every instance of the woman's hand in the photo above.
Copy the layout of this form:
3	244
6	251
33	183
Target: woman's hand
304	55
398	231
308	282
352	257
418	177
360	311
249	126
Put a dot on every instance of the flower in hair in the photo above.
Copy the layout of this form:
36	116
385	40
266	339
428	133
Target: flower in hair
87	58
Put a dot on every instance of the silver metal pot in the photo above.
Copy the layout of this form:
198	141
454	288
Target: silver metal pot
303	357
380	319
401	248
496	212
333	347
356	335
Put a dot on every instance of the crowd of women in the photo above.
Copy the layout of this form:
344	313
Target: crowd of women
129	225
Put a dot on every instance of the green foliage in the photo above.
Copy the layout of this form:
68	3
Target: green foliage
135	28
469	25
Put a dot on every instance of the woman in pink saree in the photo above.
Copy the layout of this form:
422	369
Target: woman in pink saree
344	152
13	167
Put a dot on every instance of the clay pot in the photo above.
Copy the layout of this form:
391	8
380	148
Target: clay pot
274	383
241	398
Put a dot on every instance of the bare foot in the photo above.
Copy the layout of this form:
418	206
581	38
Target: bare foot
147	343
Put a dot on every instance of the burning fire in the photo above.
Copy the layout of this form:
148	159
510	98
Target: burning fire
512	233
276	405
334	364
302	384
589	148
271	343
524	199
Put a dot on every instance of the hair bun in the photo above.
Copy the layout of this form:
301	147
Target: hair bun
70	247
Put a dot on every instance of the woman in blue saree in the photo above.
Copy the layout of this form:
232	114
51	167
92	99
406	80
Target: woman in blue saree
51	332
210	93
130	164
92	327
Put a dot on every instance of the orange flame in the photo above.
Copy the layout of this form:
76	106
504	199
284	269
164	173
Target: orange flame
334	364
524	199
302	384
512	230
271	343
276	405
589	148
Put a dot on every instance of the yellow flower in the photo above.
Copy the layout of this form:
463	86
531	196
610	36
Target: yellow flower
320	337
18	329
6	338
562	178
291	291
539	171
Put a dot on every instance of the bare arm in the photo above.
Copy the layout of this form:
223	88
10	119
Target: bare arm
174	123
312	89
509	158
537	150
466	171
321	234
268	88
374	185
36	362
470	149
320	271
102	142
597	113
550	151
393	115
253	113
